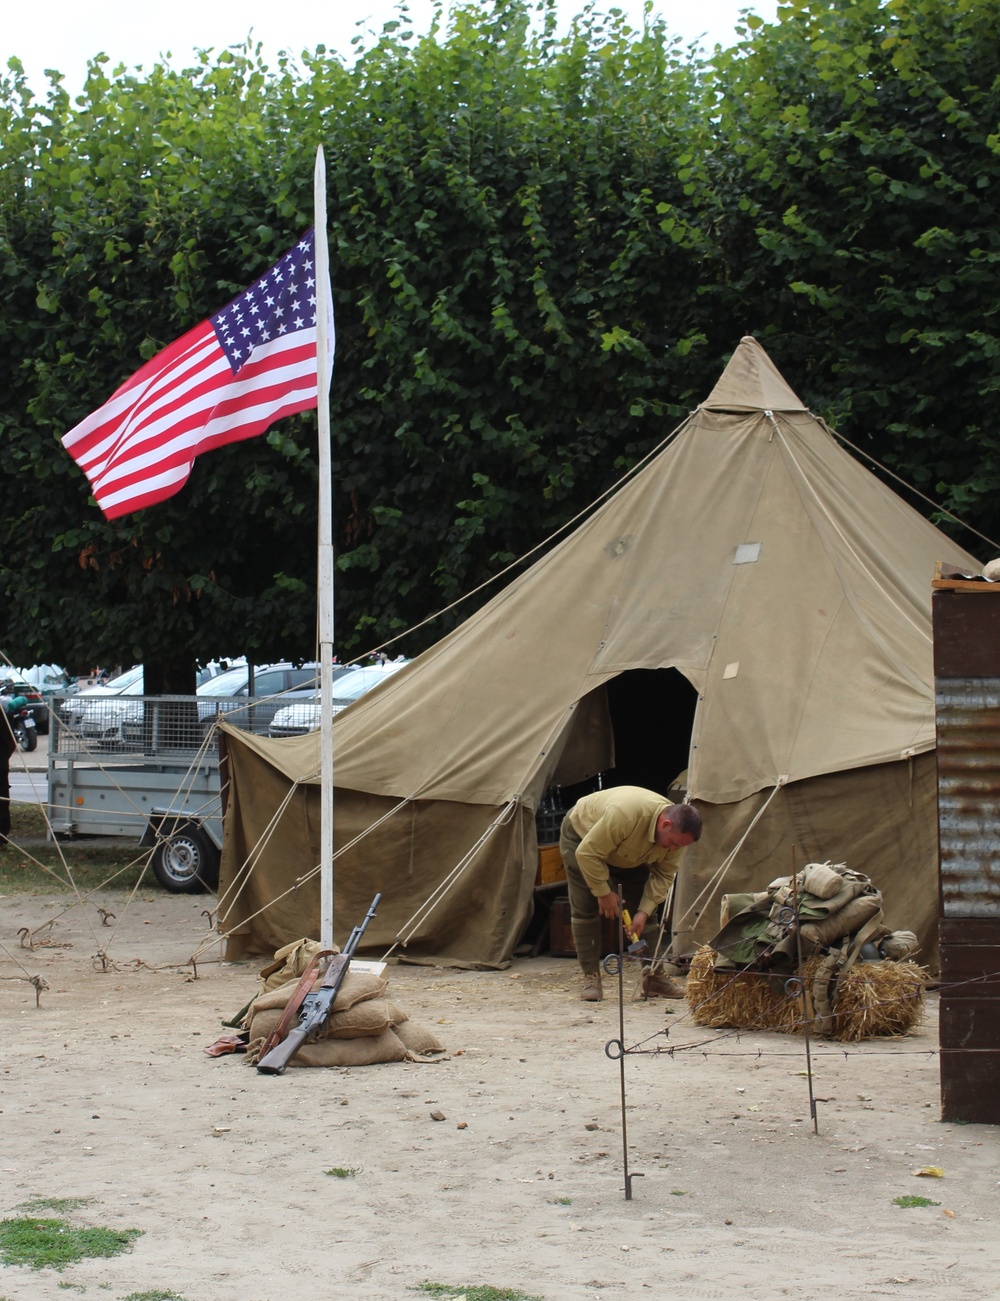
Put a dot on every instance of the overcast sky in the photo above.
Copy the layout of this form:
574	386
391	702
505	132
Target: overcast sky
63	34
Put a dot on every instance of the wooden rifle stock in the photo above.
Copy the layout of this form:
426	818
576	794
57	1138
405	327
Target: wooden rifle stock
317	1005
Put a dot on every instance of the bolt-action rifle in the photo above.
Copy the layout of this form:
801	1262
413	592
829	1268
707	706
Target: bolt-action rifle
316	1006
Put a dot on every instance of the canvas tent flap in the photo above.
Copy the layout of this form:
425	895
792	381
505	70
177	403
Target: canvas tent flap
295	757
589	746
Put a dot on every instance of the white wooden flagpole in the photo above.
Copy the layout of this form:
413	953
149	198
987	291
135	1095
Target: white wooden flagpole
324	320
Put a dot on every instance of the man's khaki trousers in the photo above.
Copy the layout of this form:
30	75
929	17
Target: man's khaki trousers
584	916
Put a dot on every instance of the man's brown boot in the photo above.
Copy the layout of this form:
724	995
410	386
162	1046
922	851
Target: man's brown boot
653	985
591	991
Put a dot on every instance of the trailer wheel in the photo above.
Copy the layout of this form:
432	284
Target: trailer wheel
186	861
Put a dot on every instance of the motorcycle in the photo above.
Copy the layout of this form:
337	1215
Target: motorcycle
22	724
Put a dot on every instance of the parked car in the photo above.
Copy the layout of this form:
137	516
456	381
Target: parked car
304	715
96	713
110	716
226	693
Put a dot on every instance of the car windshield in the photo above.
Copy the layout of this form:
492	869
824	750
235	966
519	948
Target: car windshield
215	668
353	685
124	680
230	683
50	676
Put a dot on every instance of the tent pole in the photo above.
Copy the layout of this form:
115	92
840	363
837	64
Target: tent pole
324	316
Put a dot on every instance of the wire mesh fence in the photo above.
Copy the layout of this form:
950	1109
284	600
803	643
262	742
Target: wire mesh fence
165	725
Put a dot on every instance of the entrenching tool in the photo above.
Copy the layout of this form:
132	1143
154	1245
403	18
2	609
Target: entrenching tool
637	947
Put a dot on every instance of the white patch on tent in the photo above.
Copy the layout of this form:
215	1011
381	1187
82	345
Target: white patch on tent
619	546
747	553
731	670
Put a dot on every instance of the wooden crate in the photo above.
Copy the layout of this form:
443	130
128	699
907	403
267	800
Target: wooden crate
550	865
560	932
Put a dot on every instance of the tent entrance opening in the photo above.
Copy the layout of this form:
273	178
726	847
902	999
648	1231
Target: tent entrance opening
652	714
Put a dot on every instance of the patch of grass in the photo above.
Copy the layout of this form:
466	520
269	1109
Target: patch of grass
27	819
563	1201
71	1287
478	1292
24	861
58	1204
909	1199
677	1192
54	1244
155	1295
343	1171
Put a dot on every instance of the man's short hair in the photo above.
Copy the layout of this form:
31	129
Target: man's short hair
685	819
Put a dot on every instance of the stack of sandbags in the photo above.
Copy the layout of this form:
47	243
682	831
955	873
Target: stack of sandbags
364	1026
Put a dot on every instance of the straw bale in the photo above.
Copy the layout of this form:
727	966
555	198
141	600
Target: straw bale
879	1000
873	1000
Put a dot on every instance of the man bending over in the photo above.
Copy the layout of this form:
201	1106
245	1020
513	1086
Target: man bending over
622	827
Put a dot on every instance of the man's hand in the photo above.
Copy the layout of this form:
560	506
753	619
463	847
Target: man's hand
639	921
607	904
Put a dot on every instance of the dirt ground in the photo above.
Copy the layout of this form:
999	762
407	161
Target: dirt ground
107	1095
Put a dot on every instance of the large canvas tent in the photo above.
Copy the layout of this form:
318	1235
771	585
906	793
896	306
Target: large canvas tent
753	606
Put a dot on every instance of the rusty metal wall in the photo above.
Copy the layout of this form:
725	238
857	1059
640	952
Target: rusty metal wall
967	689
968	764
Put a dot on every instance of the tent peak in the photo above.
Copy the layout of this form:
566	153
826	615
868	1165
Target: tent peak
752	382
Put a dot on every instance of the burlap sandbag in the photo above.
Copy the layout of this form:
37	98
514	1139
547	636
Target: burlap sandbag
357	986
367	1051
845	921
418	1038
372	1017
289	963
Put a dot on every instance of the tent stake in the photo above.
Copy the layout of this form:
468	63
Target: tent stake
806	1004
616	1047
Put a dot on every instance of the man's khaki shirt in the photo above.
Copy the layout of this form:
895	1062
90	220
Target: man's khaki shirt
618	827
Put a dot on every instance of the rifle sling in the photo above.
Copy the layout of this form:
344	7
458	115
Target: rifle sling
291	1009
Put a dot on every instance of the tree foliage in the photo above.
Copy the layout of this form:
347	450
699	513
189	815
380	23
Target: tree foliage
112	243
543	249
862	153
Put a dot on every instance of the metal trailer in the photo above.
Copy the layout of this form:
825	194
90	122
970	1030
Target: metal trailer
147	768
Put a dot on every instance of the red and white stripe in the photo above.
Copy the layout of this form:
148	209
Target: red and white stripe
139	447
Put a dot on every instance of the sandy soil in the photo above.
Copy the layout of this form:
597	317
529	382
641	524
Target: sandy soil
107	1095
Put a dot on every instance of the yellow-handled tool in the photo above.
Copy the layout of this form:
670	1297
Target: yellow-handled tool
637	945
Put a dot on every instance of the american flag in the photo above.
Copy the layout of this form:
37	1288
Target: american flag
228	379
